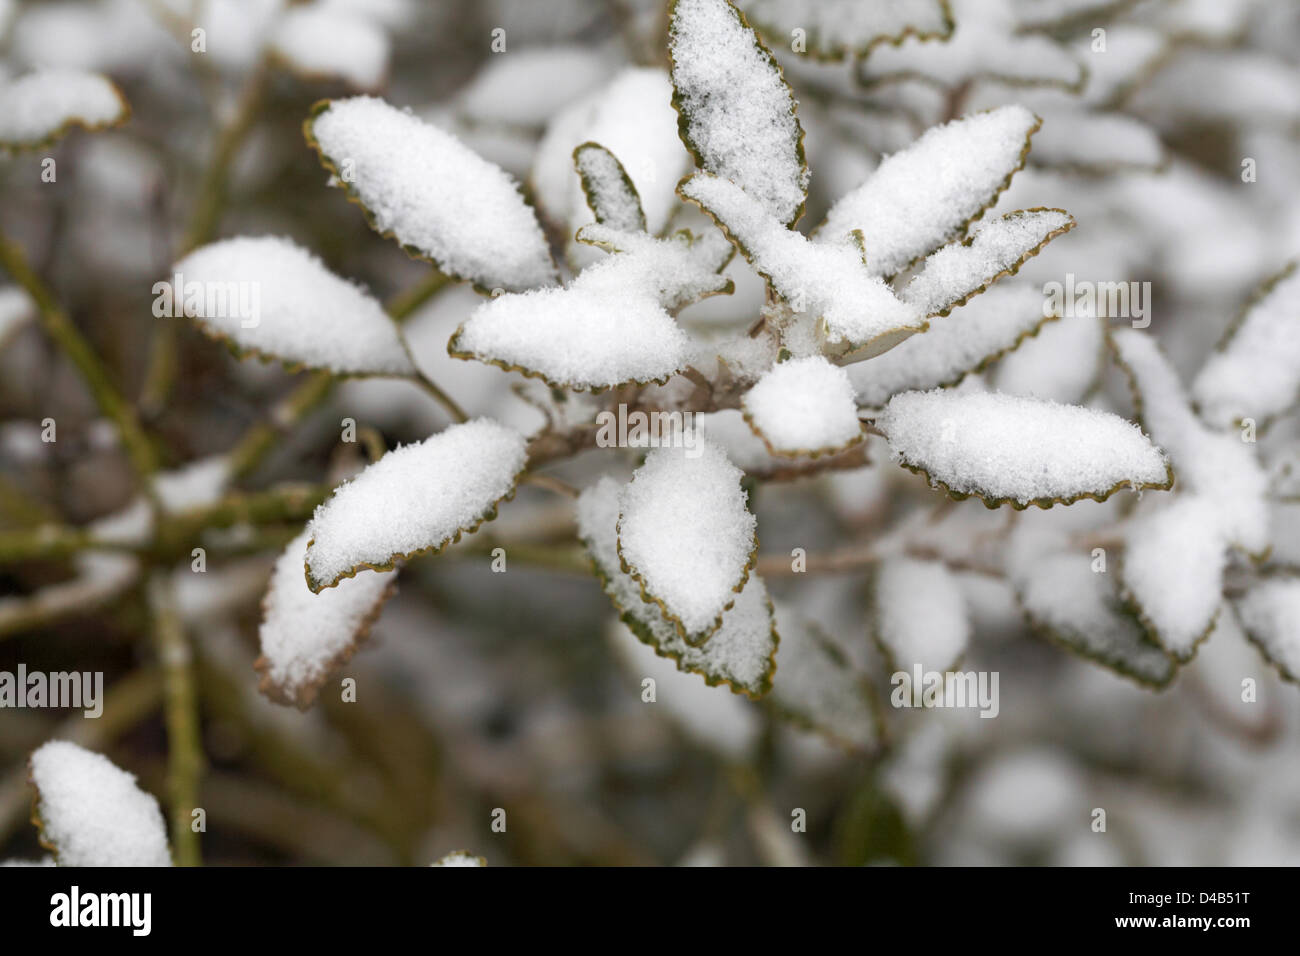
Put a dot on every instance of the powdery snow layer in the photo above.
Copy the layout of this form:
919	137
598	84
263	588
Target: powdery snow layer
318	41
459	858
530	85
740	653
1270	615
1009	449
1257	372
416	498
40	105
955	344
738	113
1172	571
920	615
686	535
1104	142
16	310
1060	363
610	192
305	635
270	296
818	688
93	813
1217	466
1069	601
434	194
860	313
958	271
804	406
924	196
838	28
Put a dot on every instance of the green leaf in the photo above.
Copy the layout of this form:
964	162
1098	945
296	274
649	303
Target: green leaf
835	30
610	192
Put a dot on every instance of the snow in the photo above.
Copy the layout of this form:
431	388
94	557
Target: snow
93	813
530	85
738	114
460	858
675	271
804	407
1009	449
609	190
319	41
845	28
740	653
1079	607
433	194
16	310
270	296
1060	363
955	345
1076	139
1219	466
416	498
960	270
817	687
860	314
685	534
305	636
924	196
920	615
40	106
1256	373
1172	572
1270	615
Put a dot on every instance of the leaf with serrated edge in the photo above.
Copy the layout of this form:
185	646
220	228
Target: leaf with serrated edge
839	29
955	274
736	112
439	199
1270	615
928	194
610	192
1019	451
1068	602
305	637
740	654
804	408
415	499
686	535
39	108
302	314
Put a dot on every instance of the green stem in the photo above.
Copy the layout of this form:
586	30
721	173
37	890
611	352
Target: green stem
181	715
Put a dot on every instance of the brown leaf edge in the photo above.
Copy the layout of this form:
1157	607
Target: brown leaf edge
837	53
588	187
489	514
20	146
829	451
869	82
320	106
1153	632
683	122
1262	647
870	697
304	695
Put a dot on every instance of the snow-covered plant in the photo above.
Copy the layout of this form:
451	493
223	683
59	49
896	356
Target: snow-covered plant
813	250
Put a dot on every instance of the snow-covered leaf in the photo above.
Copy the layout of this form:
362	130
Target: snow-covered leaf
858	314
686	535
1270	615
1096	143
305	637
459	858
737	115
268	296
804	407
818	688
1060	363
927	194
1256	371
740	654
1069	602
1019	451
839	29
1172	572
528	87
608	327
1210	464
16	310
431	193
961	270
956	345
38	108
610	192
92	813
416	499
321	42
919	615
